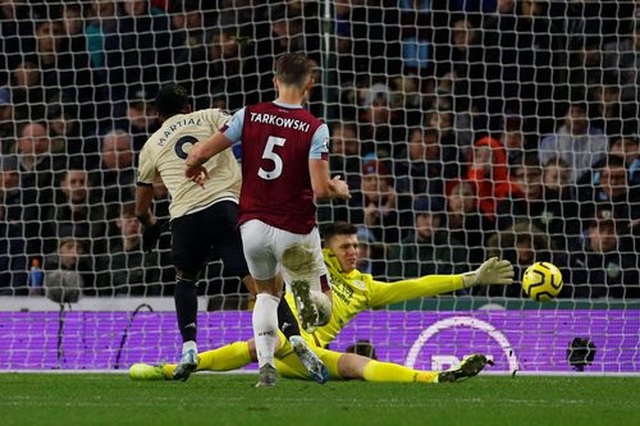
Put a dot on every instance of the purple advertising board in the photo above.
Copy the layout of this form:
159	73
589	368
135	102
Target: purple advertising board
527	340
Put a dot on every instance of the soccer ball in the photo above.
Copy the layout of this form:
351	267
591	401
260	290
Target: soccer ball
542	281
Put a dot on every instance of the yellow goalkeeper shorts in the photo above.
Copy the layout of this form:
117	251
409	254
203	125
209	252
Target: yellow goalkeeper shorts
288	364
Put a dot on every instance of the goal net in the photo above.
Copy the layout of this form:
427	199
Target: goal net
465	130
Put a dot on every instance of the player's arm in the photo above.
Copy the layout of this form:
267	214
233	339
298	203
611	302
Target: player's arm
493	271
144	199
218	142
202	152
324	188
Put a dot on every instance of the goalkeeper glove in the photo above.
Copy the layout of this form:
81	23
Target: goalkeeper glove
492	271
150	236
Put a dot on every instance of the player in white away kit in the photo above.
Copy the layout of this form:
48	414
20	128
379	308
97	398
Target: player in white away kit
201	218
284	166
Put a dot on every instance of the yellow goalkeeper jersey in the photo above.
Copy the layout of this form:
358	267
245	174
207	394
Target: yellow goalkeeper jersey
355	291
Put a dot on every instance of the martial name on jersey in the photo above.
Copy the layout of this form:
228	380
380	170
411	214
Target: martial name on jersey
166	151
276	120
187	121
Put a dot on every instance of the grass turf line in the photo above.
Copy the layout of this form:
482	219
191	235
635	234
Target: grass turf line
95	399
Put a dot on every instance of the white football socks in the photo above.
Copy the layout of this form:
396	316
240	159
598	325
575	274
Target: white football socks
265	327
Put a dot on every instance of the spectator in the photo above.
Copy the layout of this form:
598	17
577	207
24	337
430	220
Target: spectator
464	221
65	74
556	180
453	132
346	62
377	205
127	269
608	112
369	253
623	55
512	138
522	244
13	261
16	35
430	164
189	41
465	64
78	214
375	35
140	121
37	171
116	175
73	23
382	124
576	142
230	67
555	217
346	154
604	266
10	190
628	147
70	256
68	143
137	52
611	194
489	175
102	22
427	250
27	93
6	122
380	202
415	40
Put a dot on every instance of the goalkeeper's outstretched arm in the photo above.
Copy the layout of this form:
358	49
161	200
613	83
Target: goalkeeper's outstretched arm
492	271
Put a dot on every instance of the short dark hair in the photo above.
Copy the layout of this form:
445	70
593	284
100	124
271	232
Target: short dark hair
171	100
528	161
612	160
338	228
293	68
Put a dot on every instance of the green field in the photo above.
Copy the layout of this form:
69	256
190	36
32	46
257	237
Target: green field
108	399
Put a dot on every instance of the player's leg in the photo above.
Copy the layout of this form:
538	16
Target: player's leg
256	240
229	248
290	366
469	366
186	302
306	276
190	248
225	358
353	366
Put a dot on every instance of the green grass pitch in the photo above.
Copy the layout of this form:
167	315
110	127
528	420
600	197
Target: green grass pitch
209	399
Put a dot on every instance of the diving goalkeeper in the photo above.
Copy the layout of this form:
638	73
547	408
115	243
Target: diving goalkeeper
354	292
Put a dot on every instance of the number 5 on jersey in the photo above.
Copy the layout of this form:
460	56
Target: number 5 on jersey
268	154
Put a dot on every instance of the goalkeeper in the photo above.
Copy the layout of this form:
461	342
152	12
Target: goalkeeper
353	292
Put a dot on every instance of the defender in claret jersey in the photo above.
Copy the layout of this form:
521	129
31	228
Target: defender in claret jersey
284	167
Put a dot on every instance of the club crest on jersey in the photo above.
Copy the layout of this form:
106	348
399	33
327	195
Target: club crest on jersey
359	284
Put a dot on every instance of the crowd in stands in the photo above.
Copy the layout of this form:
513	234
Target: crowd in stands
465	129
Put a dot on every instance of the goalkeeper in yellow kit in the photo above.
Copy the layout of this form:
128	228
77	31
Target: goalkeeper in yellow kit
353	292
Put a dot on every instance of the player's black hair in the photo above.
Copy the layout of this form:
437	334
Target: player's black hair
171	100
338	228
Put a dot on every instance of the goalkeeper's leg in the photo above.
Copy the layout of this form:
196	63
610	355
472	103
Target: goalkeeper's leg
226	358
353	366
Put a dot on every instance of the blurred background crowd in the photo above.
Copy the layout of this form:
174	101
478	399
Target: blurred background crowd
465	129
